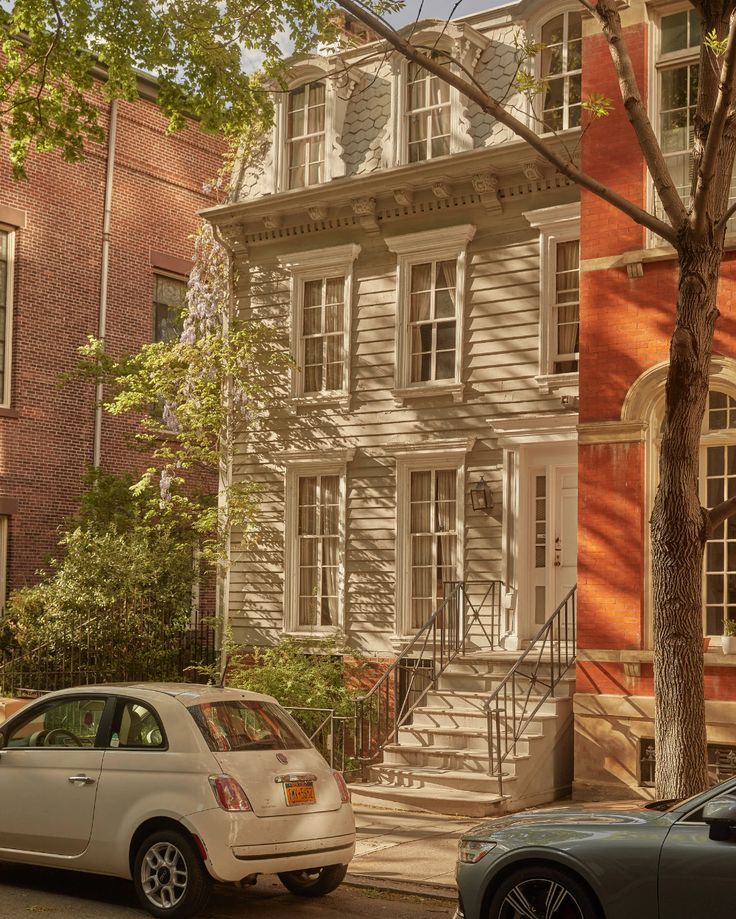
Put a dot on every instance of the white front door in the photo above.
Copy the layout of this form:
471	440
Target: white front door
549	557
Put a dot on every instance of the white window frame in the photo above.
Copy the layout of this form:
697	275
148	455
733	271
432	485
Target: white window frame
435	457
4	527
299	466
314	265
466	45
658	63
414	249
6	368
556	225
338	90
562	10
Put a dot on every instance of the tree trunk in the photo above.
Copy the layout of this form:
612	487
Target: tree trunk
679	528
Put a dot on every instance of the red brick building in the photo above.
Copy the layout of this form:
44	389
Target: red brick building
628	288
52	286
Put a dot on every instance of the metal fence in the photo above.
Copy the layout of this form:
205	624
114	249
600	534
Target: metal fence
333	735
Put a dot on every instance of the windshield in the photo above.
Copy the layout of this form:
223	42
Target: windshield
235	725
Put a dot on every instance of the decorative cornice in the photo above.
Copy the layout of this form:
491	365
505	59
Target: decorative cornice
456	237
328	258
518	430
404	197
365	210
612	432
485	184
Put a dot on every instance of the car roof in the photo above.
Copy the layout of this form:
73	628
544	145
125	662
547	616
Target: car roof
186	693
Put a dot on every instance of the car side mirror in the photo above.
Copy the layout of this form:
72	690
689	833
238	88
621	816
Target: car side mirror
720	815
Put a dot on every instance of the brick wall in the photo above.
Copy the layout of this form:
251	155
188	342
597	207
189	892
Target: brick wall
46	436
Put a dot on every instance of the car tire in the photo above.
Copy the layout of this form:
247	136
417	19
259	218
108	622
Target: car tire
533	890
314	882
169	876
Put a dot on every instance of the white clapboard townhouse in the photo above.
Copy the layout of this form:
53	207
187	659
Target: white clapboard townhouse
419	469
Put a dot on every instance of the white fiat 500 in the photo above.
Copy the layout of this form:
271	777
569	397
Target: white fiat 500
172	785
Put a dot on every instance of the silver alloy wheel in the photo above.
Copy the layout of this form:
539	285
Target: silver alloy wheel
164	875
540	898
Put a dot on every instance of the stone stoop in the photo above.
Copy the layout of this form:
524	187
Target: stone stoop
440	762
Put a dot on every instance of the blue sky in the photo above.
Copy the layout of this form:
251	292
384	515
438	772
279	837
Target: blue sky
441	8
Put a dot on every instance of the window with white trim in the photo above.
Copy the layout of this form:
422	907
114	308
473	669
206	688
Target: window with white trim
561	71
717	484
4	526
677	64
430	488
430	311
315	546
428	114
7	240
321	297
169	297
559	294
306	135
433	522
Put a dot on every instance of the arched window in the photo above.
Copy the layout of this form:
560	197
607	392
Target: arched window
561	69
718	483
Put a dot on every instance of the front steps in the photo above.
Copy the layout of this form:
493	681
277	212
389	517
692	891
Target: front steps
440	762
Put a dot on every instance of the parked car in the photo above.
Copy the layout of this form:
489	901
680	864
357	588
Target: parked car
174	786
663	860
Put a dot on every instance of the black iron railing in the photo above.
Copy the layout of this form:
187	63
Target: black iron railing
332	734
389	704
513	705
133	644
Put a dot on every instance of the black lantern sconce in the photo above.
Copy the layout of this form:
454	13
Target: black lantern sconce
480	496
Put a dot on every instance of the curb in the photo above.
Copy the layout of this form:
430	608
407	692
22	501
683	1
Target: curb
443	892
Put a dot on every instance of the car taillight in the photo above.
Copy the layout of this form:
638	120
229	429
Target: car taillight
230	796
342	786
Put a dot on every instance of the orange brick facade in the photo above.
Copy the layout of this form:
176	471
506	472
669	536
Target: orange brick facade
46	434
626	324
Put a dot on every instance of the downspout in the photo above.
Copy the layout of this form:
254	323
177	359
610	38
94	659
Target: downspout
104	275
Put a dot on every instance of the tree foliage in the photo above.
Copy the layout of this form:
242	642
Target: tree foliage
121	585
198	51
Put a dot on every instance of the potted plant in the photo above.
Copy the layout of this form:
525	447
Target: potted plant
728	642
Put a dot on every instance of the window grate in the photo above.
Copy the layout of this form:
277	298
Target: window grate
721	762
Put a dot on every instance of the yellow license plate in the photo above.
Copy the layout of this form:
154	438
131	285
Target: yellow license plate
299	793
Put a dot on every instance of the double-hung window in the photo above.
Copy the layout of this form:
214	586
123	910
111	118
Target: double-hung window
305	135
430	308
678	68
428	113
7	240
321	295
561	71
169	296
315	542
559	294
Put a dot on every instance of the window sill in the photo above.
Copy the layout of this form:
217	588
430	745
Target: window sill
429	391
7	412
338	400
555	382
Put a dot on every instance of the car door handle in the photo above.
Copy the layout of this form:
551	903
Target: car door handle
81	780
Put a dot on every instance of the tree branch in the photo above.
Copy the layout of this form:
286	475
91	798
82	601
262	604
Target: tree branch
709	159
489	105
716	515
610	21
726	217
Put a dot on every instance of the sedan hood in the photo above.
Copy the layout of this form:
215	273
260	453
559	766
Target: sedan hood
575	815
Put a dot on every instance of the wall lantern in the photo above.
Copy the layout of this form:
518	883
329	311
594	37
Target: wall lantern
480	495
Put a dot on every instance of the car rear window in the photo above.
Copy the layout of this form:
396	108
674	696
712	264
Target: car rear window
237	724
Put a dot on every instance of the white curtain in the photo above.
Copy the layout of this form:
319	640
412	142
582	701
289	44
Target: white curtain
568	297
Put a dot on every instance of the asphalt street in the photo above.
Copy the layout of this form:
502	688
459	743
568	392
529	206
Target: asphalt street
29	891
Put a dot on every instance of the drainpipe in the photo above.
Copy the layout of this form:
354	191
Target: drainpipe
104	273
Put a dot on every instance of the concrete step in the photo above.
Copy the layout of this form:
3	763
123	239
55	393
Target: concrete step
475	701
399	775
465	719
469	762
437	800
463	740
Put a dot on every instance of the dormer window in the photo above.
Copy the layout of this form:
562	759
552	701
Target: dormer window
561	69
305	135
429	115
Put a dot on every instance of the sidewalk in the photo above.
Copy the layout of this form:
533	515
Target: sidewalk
408	851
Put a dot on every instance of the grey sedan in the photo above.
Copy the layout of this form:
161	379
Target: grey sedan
663	860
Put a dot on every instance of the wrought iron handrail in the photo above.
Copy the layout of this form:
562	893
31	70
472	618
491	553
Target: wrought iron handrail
392	699
327	730
511	707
